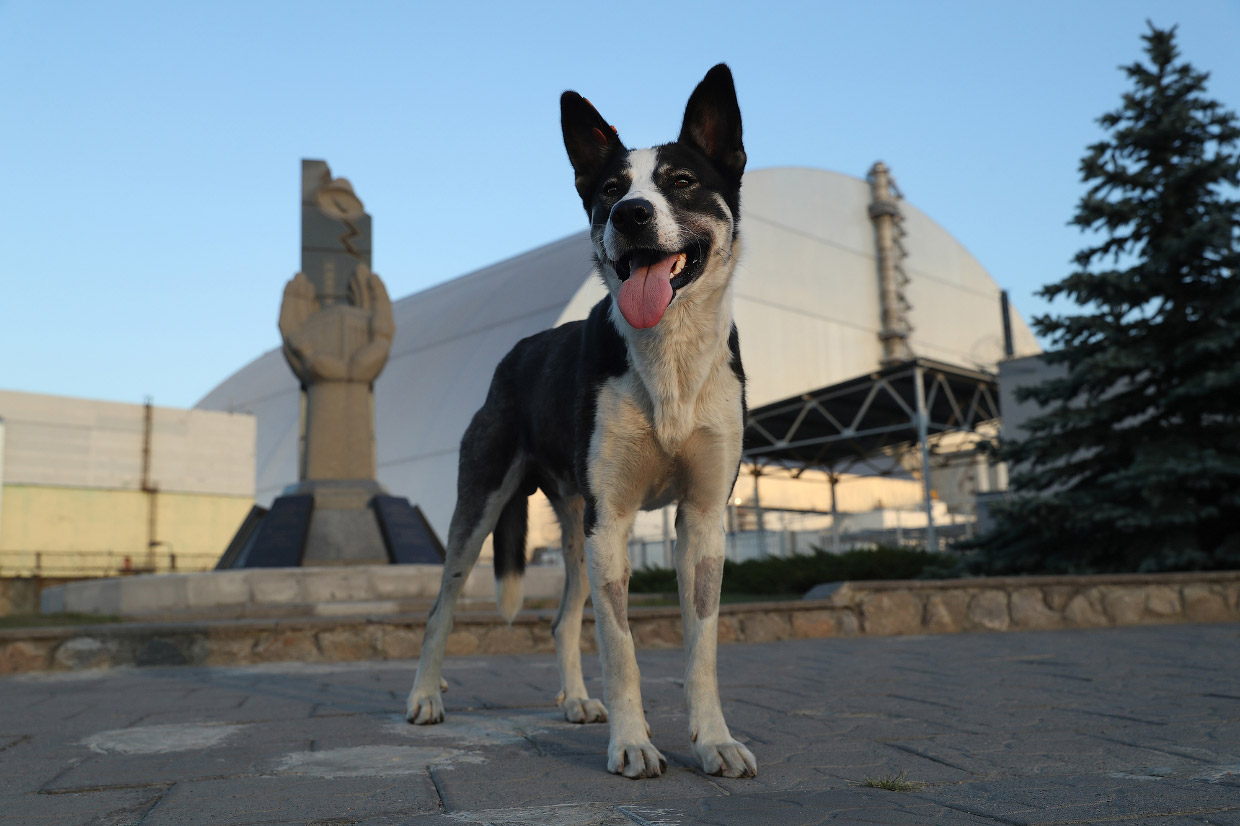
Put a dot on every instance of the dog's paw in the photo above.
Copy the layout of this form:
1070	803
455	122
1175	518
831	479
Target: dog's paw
635	760
424	708
728	759
582	709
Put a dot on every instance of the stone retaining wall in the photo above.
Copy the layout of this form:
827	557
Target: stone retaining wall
20	594
841	610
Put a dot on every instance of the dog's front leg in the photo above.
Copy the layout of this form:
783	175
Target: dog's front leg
629	751
699	574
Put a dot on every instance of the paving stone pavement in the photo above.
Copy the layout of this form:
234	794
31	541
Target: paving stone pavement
1134	725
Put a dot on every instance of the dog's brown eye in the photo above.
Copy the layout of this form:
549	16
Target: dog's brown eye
682	181
611	188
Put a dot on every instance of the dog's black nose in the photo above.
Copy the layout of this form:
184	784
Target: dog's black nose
632	215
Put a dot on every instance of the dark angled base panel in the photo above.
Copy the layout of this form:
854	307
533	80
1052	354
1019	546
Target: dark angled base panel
276	538
409	538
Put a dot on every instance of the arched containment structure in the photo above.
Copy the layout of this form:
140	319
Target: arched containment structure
807	303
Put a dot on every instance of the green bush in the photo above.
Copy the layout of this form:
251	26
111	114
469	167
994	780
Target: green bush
797	574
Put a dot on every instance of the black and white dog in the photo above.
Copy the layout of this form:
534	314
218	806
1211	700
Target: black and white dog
641	404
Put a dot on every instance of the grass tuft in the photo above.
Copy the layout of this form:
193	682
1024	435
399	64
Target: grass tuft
54	620
893	783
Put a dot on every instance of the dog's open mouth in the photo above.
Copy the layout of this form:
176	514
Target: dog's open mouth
648	282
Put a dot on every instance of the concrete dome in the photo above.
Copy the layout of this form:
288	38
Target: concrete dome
806	305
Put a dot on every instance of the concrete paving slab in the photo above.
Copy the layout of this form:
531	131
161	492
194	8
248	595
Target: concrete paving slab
1135	725
125	807
296	798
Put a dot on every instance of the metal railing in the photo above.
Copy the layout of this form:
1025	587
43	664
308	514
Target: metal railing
67	564
793	533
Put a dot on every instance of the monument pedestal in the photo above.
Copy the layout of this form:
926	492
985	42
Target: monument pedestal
344	528
334	522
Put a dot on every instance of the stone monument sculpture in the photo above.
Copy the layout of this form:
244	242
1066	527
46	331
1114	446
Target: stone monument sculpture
337	326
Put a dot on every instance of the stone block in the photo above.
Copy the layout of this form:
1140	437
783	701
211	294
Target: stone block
1084	610
52	600
1058	596
945	611
82	652
1124	604
847	624
276	586
1162	602
229	649
404	581
153	593
463	640
340	536
541	638
1203	604
336	585
503	639
1029	610
729	628
94	596
349	643
814	624
288	644
218	588
400	643
19	595
989	609
174	650
765	627
891	612
356	608
21	656
480	584
657	632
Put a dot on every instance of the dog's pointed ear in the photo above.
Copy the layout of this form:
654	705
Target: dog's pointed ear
713	122
590	141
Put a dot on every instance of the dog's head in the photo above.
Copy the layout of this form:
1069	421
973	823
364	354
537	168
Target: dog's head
663	220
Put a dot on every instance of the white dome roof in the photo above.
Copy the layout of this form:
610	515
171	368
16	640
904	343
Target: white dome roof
806	305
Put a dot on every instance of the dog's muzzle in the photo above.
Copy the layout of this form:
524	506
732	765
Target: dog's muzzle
632	217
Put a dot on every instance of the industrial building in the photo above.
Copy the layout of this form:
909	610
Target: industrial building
91	488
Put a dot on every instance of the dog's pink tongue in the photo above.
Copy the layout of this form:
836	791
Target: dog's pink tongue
647	292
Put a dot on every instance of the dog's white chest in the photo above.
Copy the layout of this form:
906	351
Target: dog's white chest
643	446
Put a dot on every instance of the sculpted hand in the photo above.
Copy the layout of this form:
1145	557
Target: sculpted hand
367	293
318	341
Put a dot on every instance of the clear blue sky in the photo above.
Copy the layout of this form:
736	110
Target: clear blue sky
151	149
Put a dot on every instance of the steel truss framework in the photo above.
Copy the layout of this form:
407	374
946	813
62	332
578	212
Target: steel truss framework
868	418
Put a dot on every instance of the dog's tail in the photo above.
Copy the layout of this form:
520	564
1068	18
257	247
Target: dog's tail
509	545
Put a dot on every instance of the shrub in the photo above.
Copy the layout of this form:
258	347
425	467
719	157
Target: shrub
797	574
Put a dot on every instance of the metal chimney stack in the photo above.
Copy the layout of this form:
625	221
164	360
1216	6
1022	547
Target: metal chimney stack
888	230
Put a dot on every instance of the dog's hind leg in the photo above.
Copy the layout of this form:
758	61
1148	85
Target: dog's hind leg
577	706
482	494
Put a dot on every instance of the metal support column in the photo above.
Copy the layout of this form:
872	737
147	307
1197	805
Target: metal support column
835	516
757	510
667	540
923	440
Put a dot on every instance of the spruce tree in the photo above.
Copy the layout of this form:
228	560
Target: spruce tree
1134	461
